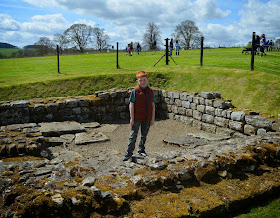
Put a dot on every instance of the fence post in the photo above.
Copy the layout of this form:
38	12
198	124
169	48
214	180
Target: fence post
201	51
57	52
118	67
253	51
166	51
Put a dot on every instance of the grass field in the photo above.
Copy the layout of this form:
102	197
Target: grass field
8	51
225	70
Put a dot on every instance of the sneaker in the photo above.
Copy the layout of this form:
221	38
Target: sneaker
143	154
126	158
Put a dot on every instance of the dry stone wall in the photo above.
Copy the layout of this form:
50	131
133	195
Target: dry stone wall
207	111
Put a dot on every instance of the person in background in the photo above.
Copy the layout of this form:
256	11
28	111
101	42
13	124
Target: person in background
177	47
257	43
262	44
138	48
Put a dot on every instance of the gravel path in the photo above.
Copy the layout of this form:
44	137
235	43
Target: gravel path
119	134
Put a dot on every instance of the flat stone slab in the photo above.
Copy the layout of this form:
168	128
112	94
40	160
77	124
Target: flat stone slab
189	141
209	136
61	128
91	125
107	128
88	138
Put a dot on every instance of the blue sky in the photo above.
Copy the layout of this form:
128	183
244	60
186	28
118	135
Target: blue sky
225	22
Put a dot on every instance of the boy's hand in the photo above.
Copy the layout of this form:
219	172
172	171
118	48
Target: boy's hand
131	122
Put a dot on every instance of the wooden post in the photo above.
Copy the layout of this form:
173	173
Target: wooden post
57	52
118	67
166	51
253	51
201	51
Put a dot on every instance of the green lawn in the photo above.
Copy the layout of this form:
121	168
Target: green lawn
225	70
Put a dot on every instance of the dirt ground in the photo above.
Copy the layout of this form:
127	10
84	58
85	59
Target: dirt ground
119	134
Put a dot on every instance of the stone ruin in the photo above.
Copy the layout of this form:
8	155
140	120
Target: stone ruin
232	165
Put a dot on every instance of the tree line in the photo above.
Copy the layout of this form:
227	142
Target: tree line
79	37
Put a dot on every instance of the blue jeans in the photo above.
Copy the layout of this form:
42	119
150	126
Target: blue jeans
138	50
145	126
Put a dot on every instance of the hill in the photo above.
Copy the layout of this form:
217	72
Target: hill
6	45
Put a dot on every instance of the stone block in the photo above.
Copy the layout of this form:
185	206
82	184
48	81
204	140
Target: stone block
207	95
218	112
83	102
261	132
183	96
249	130
178	102
181	110
72	103
222	122
220	104
208	102
201	108
238	116
189	112
171	116
164	93
176	95
169	108
207	118
103	95
190	98
51	108
177	117
193	106
19	104
201	101
174	109
258	121
208	127
197	124
235	125
186	104
210	110
197	115
39	108
196	100
276	127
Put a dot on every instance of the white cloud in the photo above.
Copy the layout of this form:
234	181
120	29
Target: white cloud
45	24
7	23
208	10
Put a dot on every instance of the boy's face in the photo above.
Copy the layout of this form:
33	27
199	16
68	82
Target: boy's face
143	82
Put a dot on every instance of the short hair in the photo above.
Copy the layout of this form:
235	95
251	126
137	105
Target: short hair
141	74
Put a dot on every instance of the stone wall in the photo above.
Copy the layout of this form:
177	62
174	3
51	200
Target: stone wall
207	111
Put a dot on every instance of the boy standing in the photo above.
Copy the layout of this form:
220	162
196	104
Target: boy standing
142	113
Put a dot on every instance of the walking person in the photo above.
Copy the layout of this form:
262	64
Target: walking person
262	44
138	48
177	47
142	113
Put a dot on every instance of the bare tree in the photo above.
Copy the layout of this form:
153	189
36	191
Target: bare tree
78	35
188	34
151	37
101	38
44	46
60	40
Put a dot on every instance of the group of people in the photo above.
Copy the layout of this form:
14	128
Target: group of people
129	48
261	44
171	46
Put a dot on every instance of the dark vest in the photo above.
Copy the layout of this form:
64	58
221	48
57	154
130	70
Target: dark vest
143	106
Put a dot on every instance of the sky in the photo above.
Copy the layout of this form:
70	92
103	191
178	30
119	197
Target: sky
222	22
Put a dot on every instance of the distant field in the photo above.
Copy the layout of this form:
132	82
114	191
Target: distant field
225	70
8	51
